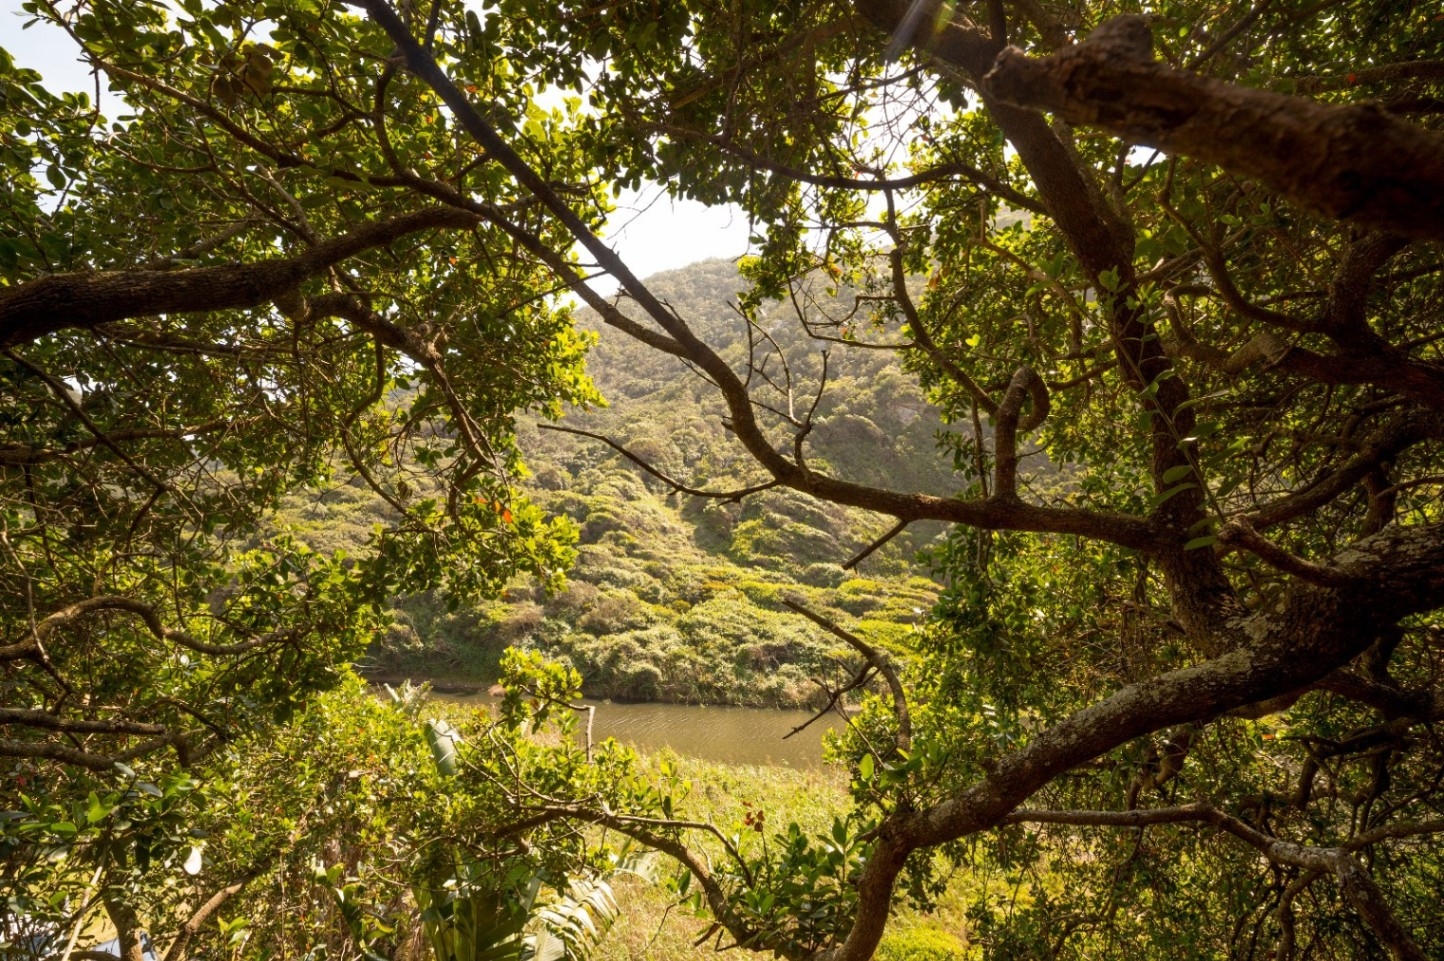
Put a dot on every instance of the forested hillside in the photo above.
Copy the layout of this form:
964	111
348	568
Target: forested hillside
675	596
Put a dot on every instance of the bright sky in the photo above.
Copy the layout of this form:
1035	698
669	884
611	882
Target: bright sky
650	231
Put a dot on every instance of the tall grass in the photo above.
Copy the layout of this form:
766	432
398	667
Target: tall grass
652	926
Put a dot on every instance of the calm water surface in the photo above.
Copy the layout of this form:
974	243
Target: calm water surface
733	735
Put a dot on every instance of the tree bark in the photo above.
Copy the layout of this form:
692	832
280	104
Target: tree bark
1357	162
82	300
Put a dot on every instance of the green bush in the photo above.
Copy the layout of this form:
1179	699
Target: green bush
640	681
921	944
614	613
823	574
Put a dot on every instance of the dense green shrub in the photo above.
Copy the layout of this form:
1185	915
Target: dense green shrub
921	944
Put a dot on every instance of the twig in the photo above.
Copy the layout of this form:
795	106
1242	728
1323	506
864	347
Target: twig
867	552
677	486
877	659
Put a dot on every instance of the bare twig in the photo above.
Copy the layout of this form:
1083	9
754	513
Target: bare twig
877	659
733	495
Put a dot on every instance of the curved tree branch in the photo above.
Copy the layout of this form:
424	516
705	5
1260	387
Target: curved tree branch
681	340
1311	632
1356	162
874	657
678	486
1025	384
129	605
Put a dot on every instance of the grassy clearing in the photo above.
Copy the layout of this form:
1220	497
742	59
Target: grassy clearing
652	928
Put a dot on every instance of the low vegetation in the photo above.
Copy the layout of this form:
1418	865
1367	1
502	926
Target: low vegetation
674	597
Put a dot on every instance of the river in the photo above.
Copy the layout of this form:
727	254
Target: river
731	735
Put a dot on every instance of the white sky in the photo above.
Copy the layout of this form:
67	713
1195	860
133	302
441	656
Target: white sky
650	231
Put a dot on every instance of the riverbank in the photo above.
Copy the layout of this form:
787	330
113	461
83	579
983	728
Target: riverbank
476	669
460	687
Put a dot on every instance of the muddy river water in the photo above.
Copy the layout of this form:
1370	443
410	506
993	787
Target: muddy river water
733	735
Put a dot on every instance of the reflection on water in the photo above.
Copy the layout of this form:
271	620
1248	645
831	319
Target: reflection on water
733	735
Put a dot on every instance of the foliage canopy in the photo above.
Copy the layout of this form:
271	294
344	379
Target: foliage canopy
1182	681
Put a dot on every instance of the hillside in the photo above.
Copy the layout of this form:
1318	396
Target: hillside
676	597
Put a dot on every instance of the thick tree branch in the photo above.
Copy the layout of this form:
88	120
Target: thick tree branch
50	750
51	722
1356	163
1310	633
85	300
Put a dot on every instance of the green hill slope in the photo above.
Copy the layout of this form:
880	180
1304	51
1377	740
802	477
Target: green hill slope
677	597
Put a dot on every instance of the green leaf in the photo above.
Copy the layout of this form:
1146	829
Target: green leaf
1178	473
442	738
1164	497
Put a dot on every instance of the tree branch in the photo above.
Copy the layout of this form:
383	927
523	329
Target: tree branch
180	947
1311	632
1025	384
1359	888
1237	533
129	605
677	486
50	722
877	659
1356	162
84	300
681	340
866	552
1012	197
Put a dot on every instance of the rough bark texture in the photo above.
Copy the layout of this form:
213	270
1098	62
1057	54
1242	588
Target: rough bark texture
68	301
1358	163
